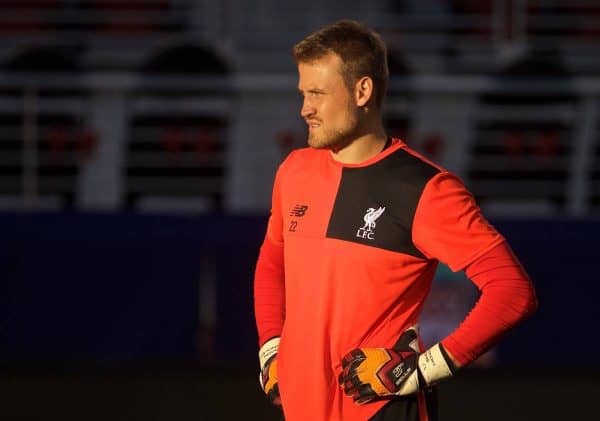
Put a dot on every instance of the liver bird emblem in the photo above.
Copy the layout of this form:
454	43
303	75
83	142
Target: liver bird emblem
370	218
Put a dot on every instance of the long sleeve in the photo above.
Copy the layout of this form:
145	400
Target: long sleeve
449	227
507	297
269	291
269	277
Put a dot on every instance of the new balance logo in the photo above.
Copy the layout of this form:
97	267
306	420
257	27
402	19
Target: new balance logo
299	211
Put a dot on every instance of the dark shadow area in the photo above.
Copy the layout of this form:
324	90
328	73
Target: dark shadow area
179	393
186	58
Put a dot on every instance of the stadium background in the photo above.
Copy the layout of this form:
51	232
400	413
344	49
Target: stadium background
138	142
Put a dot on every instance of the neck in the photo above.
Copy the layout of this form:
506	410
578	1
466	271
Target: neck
365	146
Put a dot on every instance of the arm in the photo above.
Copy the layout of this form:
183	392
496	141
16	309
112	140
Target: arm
269	298
269	291
448	226
269	285
507	298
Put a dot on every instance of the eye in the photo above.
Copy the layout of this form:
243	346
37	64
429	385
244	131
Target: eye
310	94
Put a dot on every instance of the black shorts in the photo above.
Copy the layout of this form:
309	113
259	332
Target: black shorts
406	408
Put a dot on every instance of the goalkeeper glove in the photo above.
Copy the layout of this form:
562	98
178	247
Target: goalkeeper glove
268	370
372	373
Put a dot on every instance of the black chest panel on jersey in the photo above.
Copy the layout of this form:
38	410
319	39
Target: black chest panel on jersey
375	205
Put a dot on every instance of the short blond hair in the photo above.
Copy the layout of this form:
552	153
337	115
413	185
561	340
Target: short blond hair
361	50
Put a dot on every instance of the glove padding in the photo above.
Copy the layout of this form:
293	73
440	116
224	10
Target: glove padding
268	370
370	374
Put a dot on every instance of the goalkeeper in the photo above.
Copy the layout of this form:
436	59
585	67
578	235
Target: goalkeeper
358	224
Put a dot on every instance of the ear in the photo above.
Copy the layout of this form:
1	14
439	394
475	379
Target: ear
363	91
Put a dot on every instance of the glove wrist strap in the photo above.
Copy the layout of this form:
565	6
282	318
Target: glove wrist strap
267	351
433	365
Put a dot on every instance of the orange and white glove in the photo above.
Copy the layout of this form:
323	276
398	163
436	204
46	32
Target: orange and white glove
268	370
369	374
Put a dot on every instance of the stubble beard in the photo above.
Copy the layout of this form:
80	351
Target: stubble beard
335	139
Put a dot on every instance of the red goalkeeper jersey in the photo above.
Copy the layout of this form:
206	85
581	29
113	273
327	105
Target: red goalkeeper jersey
348	260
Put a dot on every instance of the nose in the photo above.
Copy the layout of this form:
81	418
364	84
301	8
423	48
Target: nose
307	109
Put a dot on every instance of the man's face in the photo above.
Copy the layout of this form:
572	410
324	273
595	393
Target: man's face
328	106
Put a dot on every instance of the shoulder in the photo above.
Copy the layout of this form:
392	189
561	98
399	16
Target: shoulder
417	158
425	174
300	159
303	154
407	166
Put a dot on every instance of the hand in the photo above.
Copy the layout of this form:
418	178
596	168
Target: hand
268	381
372	373
268	373
369	374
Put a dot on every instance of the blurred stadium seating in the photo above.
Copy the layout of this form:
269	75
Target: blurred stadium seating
186	79
138	143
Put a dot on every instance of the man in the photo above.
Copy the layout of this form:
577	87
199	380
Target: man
358	224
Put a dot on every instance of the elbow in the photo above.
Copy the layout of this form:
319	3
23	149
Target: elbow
520	303
533	303
528	304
